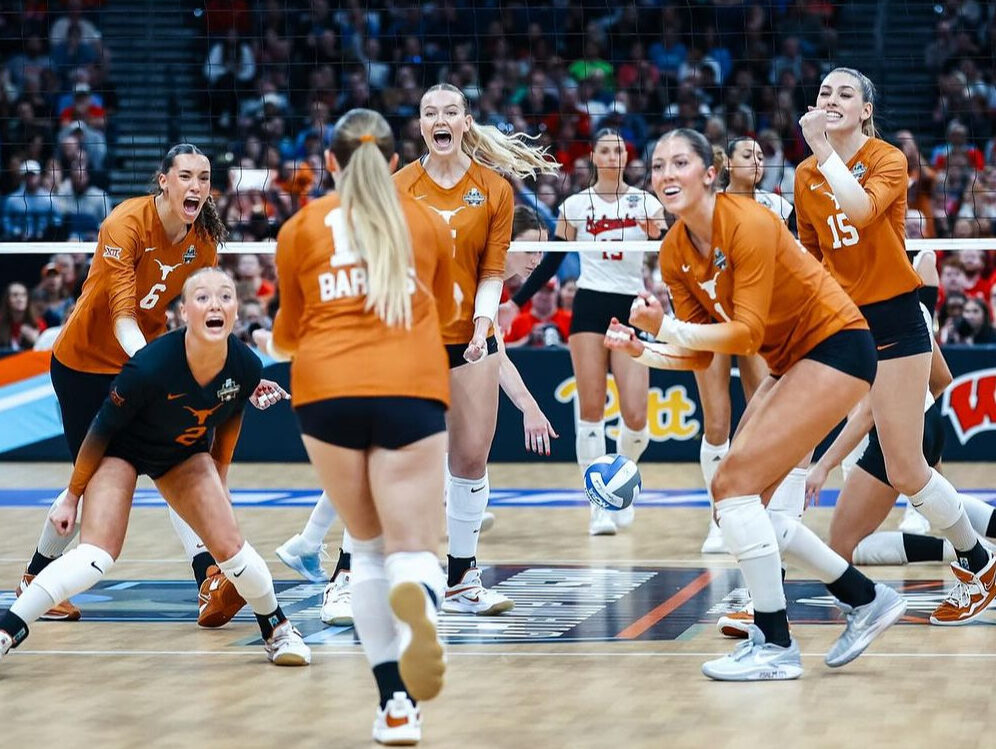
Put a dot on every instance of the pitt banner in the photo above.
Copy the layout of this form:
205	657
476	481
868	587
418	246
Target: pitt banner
31	429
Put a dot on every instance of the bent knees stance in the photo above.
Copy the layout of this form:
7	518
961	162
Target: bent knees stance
75	571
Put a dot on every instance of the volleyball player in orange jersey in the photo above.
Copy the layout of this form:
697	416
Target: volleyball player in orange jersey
461	179
850	201
365	286
740	284
146	249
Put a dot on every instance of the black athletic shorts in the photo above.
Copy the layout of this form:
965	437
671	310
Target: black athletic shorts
593	310
873	462
145	466
80	395
373	421
898	327
849	351
454	351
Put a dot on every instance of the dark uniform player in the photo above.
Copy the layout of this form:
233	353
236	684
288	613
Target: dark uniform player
173	413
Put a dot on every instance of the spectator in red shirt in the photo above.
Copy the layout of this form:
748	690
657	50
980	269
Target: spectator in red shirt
83	108
977	281
544	324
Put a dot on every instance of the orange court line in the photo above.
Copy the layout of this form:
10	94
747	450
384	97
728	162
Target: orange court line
653	616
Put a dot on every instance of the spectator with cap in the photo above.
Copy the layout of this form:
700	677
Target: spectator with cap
51	296
544	323
28	212
84	107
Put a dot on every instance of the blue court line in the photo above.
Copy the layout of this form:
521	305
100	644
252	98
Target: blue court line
32	497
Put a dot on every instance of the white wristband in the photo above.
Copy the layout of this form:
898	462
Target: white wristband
488	298
846	189
129	335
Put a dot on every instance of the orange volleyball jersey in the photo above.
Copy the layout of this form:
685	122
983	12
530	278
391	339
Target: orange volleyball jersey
478	210
136	273
756	274
868	261
340	349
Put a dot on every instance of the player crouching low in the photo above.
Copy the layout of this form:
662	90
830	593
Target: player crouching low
173	413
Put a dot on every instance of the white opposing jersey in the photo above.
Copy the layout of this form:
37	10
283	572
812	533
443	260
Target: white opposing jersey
774	202
596	219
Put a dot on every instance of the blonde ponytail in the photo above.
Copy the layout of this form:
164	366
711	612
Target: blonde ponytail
363	144
512	155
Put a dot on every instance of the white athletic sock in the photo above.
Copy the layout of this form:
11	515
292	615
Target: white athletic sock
322	516
709	460
589	442
50	543
421	567
851	459
749	536
881	547
979	513
940	503
75	571
192	544
789	497
372	615
468	498
347	542
796	541
631	443
251	577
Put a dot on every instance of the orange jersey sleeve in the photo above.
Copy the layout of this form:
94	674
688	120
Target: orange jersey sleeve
136	273
478	211
759	276
341	349
869	261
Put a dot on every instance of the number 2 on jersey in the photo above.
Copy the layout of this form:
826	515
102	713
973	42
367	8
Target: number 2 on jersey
844	235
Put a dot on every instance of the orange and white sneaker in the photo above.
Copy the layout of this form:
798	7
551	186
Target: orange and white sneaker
469	596
399	723
218	600
970	596
61	612
737	623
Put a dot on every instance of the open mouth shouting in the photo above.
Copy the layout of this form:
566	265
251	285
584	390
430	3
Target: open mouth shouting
214	322
191	207
442	138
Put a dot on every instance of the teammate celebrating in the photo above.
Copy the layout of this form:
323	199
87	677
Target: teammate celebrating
173	413
850	197
146	250
724	260
365	281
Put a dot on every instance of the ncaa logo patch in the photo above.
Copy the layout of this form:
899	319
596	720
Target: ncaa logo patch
190	255
112	252
474	197
633	200
229	389
858	170
719	258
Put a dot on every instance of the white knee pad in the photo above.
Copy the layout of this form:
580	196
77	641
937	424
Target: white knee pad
249	574
589	441
468	498
784	527
938	502
367	561
746	528
710	457
631	443
78	570
789	497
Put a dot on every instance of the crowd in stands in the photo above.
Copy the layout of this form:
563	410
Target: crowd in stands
278	73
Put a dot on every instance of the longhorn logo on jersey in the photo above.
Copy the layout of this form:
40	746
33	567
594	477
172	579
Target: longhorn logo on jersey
709	287
601	225
166	269
970	403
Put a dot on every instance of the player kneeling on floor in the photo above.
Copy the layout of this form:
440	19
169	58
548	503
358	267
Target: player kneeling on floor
173	413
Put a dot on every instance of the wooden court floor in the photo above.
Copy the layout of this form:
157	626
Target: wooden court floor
168	684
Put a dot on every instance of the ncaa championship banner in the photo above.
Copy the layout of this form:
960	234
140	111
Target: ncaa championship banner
31	429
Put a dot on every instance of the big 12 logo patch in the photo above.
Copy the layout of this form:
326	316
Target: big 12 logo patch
970	403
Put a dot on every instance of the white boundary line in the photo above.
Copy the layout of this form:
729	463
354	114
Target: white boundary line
267	248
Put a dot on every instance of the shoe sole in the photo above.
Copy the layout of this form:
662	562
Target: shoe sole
499	608
892	615
407	741
291	659
338	621
781	673
422	665
294	562
48	616
733	628
602	531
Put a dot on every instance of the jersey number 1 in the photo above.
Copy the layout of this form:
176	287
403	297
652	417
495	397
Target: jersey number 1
844	235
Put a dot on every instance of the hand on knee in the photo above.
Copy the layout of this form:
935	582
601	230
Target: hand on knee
75	571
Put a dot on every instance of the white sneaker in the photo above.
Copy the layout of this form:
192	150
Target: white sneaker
756	660
737	623
303	558
913	521
337	602
286	648
487	522
470	597
422	662
6	643
625	518
399	723
714	543
601	522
